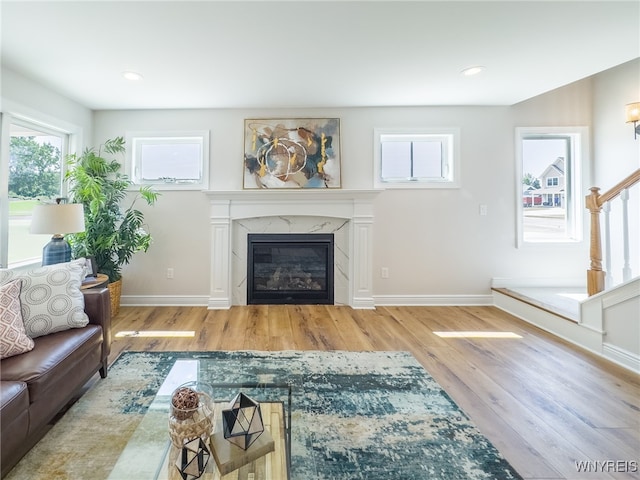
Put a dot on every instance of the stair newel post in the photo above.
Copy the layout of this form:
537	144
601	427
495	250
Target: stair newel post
595	275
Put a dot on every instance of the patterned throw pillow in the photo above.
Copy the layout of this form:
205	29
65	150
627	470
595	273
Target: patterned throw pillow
51	298
13	338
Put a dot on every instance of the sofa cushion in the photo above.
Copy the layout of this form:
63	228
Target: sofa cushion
51	298
14	398
13	338
55	361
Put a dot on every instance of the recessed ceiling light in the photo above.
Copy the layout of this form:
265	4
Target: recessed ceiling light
468	72
132	76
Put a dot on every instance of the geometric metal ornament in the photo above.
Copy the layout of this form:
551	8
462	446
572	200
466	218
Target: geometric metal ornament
242	421
192	459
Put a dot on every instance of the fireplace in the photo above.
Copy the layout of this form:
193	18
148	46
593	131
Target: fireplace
290	268
347	214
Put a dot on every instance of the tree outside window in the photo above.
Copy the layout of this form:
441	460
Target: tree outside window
35	175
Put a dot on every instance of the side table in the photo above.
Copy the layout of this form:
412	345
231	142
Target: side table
100	280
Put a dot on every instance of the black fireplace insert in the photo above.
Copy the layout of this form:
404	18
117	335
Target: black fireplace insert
290	268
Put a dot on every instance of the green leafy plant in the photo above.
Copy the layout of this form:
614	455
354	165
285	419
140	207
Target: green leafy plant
112	233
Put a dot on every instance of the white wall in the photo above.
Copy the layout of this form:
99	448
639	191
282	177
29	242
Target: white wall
26	98
434	242
616	152
23	98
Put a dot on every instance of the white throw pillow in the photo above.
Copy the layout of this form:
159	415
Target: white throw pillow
51	297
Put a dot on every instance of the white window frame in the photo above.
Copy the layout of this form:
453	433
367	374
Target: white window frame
71	136
578	184
134	140
450	140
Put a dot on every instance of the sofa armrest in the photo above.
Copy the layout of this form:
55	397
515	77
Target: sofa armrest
97	305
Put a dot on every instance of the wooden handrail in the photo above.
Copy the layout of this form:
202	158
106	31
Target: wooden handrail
614	191
594	202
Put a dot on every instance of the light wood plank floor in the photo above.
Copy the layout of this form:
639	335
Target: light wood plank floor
544	403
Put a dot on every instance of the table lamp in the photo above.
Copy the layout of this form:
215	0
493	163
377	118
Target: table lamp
59	219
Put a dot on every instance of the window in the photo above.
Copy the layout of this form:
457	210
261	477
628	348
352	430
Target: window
550	185
424	158
169	160
34	173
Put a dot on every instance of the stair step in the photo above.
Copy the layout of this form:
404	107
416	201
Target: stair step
561	301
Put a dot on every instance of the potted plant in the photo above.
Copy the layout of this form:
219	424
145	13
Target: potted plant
113	233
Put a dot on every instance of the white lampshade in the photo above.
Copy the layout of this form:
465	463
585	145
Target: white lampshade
58	218
632	112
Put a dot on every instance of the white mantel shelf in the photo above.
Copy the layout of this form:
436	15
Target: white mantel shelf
355	206
288	195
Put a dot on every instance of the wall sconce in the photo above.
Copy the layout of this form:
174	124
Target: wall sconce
632	111
58	218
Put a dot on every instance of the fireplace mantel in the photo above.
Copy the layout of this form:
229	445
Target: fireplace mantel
326	202
355	206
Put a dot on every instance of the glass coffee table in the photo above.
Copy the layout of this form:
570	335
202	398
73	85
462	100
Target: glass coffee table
149	453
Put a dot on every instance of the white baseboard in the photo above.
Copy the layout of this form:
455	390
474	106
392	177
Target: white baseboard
218	303
621	357
365	303
164	301
431	300
560	327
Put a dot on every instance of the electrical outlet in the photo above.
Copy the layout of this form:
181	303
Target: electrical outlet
384	272
170	273
483	209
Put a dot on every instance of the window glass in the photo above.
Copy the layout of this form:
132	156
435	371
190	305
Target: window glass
416	159
35	175
169	161
397	162
428	159
173	162
549	185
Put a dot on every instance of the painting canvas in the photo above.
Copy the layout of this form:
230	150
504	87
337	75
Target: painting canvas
292	153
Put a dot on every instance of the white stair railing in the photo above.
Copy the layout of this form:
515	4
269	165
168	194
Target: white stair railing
597	279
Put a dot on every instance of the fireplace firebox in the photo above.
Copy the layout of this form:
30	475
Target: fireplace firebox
290	268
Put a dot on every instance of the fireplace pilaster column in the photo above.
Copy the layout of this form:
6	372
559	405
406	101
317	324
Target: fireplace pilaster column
361	259
220	285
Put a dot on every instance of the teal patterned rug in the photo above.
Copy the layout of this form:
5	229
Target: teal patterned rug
355	415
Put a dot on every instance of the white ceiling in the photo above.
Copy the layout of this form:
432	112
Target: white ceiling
265	54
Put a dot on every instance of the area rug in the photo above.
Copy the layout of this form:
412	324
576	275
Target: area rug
355	415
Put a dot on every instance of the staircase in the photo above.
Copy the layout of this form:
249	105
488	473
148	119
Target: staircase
606	323
601	317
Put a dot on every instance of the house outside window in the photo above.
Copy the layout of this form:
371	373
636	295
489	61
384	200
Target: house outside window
550	166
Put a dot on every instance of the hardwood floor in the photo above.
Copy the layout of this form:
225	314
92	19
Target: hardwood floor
544	403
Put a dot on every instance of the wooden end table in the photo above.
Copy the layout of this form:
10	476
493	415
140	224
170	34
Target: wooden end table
100	280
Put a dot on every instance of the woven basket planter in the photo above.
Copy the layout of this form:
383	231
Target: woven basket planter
115	290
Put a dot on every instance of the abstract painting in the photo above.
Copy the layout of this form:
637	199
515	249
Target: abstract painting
292	153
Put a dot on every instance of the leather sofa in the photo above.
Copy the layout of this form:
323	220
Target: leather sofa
37	385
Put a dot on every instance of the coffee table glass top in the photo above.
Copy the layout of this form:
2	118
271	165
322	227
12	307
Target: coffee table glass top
149	453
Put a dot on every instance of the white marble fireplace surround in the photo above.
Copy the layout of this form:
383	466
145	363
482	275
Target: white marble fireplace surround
348	214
